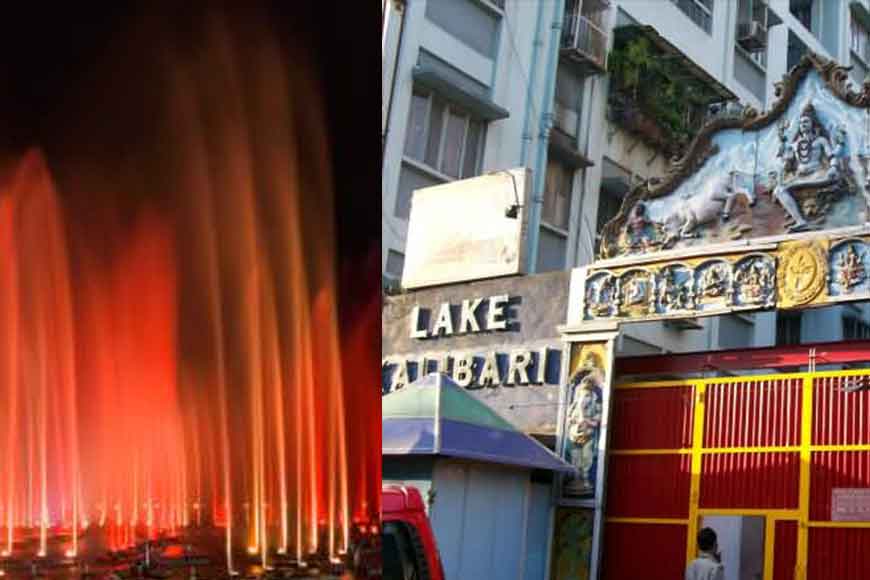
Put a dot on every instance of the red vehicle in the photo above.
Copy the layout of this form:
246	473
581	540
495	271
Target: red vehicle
408	544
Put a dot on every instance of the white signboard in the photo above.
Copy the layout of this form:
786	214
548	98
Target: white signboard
467	230
850	504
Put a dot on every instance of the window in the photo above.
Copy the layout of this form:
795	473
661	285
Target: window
556	216
858	40
699	11
410	179
750	49
608	206
443	137
796	50
750	73
567	101
400	558
583	28
788	328
752	27
759	58
557	194
470	21
552	248
395	263
803	11
615	183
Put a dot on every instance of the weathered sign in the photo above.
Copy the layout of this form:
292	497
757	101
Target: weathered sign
483	239
497	338
850	504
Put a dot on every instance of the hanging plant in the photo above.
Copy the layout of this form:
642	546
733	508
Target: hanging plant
640	79
631	64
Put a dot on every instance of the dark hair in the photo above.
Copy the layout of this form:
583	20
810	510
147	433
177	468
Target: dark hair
706	539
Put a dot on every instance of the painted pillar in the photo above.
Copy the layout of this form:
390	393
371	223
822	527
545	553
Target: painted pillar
582	439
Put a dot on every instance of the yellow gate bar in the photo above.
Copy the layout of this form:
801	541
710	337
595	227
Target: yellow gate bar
670	521
740	379
695	484
804	496
769	536
838	524
774	514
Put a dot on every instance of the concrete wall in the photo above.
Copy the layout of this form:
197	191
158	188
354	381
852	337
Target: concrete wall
536	308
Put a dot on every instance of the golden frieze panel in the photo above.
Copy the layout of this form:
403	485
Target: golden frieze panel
791	274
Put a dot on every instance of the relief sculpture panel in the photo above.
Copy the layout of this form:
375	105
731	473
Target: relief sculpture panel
803	166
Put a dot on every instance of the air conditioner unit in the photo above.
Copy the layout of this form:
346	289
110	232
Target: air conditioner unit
752	36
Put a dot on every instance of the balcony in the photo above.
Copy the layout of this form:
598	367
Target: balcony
658	93
584	43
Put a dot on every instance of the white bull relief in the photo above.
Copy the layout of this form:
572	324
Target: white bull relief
715	199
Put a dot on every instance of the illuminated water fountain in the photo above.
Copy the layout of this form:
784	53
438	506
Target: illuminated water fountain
174	370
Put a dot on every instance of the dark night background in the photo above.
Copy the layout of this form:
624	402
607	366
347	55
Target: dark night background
47	48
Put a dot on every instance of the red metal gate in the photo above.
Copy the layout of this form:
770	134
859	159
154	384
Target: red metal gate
771	446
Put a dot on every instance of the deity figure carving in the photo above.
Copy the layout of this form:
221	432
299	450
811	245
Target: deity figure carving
713	282
840	152
635	293
755	282
673	294
583	423
599	297
850	268
641	233
808	162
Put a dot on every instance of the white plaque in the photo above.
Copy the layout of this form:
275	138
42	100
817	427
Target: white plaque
850	504
467	230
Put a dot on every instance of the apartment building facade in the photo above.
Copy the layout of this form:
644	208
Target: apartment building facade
477	86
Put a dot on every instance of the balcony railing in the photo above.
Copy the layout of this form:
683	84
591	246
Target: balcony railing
586	39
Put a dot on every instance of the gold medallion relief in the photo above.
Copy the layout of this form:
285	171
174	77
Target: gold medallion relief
802	273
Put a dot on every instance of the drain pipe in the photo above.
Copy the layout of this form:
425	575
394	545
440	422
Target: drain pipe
530	90
539	173
400	7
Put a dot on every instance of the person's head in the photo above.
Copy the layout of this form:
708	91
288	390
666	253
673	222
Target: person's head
707	540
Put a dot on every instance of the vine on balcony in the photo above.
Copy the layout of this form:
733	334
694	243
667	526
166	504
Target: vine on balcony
649	95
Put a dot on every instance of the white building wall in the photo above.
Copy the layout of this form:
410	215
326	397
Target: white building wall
519	69
518	63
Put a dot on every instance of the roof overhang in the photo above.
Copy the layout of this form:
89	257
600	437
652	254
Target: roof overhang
481	107
425	436
564	148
